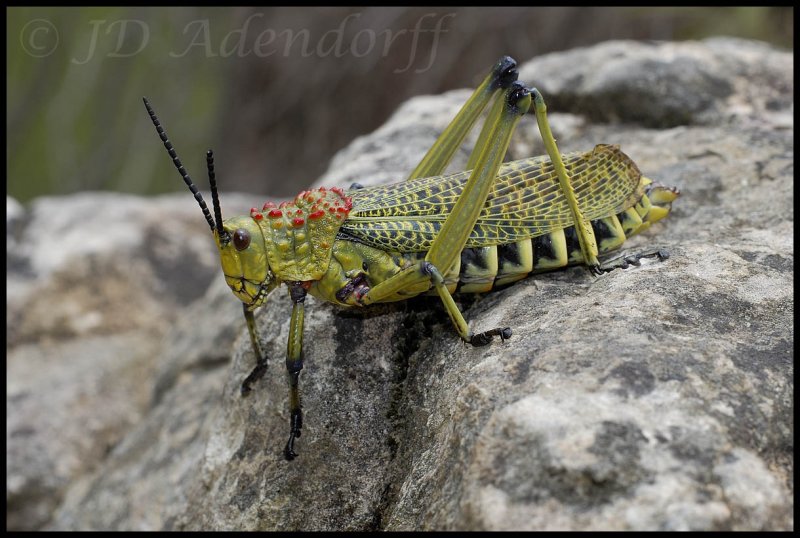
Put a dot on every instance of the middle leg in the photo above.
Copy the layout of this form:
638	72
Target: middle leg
294	363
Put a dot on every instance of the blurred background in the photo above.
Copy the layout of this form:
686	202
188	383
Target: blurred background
274	91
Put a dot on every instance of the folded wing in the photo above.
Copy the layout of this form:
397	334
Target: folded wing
525	201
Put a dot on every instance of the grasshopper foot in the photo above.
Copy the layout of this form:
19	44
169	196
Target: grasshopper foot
623	262
257	373
296	424
481	339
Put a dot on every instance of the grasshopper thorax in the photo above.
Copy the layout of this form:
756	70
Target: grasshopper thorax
290	241
298	235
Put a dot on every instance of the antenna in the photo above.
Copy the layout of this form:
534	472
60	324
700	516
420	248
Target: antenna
181	170
212	181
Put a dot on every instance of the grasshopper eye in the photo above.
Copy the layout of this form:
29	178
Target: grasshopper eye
241	239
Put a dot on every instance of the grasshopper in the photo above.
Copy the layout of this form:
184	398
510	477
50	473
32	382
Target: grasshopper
469	232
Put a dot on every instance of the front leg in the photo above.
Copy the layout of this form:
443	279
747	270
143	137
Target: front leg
261	359
294	363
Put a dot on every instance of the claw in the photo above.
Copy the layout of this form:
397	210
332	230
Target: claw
288	451
295	427
633	260
481	339
623	262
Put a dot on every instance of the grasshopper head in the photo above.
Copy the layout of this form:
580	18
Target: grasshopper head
243	254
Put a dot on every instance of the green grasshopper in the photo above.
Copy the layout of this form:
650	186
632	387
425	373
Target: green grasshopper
468	232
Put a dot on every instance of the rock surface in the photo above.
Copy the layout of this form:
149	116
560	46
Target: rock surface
657	397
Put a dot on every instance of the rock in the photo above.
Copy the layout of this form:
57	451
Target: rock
94	282
374	159
648	83
657	397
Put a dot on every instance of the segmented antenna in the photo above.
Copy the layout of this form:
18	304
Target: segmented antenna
212	181
181	170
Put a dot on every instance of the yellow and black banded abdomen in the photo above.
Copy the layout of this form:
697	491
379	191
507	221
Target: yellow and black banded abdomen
485	268
356	267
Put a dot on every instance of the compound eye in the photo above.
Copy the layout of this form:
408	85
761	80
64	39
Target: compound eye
241	239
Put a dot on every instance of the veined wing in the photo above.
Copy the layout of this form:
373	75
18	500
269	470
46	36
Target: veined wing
525	201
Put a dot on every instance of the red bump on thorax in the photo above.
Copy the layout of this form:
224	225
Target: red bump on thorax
309	223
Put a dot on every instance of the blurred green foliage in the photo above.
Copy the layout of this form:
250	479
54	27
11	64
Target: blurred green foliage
76	76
